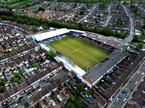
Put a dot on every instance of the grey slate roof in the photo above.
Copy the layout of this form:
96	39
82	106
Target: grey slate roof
99	70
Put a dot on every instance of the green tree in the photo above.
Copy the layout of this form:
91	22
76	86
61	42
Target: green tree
140	45
2	88
41	9
34	29
74	103
34	21
52	53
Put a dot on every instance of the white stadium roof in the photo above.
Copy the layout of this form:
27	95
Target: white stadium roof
46	35
50	34
77	31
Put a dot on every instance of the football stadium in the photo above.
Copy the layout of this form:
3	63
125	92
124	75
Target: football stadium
88	57
82	53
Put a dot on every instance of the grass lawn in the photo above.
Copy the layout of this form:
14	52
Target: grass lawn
81	52
17	3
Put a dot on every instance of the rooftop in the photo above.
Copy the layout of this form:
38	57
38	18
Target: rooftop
99	70
50	34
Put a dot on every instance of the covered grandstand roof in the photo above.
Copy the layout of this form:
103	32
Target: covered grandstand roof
47	35
51	34
97	72
77	31
72	67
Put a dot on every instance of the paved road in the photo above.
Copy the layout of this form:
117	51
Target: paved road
121	99
71	13
141	8
10	24
109	16
78	8
131	34
107	21
85	17
40	84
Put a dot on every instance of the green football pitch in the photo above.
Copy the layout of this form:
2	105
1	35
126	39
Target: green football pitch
80	52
